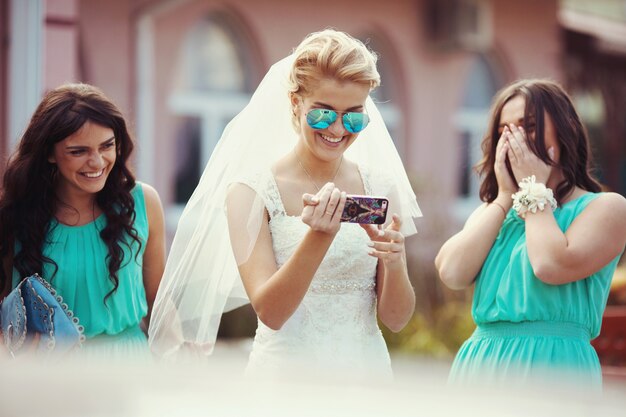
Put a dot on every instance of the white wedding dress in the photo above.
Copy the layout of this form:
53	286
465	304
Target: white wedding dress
334	331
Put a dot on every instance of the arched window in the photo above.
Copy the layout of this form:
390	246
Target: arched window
387	95
471	122
214	80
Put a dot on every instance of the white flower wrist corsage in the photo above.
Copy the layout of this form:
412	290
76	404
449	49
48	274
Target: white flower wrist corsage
532	196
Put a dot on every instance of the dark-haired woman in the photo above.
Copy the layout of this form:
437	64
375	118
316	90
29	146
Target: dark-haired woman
71	211
542	248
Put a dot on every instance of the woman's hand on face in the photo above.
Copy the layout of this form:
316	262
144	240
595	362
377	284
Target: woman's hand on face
506	184
323	211
387	244
523	161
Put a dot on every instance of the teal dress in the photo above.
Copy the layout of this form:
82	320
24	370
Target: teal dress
526	328
82	279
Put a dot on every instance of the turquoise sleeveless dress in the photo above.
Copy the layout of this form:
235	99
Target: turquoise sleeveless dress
527	329
82	279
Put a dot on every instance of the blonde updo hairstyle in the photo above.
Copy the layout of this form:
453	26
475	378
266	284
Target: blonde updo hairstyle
330	54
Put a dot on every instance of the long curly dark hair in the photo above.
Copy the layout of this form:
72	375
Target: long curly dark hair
575	153
28	200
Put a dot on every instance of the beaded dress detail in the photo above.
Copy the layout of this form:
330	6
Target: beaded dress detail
335	328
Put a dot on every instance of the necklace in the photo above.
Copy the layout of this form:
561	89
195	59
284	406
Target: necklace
309	175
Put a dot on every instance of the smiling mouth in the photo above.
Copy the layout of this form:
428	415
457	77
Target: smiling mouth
96	174
331	139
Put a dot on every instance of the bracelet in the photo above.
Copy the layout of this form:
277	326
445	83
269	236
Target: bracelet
531	197
501	207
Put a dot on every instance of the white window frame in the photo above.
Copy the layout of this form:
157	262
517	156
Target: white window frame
212	109
473	122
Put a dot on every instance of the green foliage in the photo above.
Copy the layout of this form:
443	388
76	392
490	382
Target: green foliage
439	337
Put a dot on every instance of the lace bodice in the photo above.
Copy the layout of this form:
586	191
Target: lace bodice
335	325
346	266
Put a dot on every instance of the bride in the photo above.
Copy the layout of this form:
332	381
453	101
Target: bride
264	224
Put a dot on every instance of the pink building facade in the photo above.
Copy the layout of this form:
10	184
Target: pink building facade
181	69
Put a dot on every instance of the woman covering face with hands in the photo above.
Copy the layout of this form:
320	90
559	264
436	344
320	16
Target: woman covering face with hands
283	168
541	250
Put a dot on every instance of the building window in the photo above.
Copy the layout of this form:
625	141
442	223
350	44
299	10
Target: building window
215	77
386	96
471	123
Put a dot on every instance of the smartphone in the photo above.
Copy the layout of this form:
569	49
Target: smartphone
365	209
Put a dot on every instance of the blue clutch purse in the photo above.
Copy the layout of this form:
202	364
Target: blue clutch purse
35	307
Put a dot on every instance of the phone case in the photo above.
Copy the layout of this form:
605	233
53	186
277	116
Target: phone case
365	209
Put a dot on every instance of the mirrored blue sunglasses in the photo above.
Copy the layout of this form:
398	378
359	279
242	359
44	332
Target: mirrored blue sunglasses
354	122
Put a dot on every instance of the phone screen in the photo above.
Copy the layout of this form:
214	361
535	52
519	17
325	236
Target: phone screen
365	209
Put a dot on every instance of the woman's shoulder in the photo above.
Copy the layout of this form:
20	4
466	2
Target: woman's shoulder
606	200
249	186
145	190
610	201
151	200
606	207
256	180
148	192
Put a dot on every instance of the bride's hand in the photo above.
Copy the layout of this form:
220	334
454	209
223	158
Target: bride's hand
323	212
387	244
